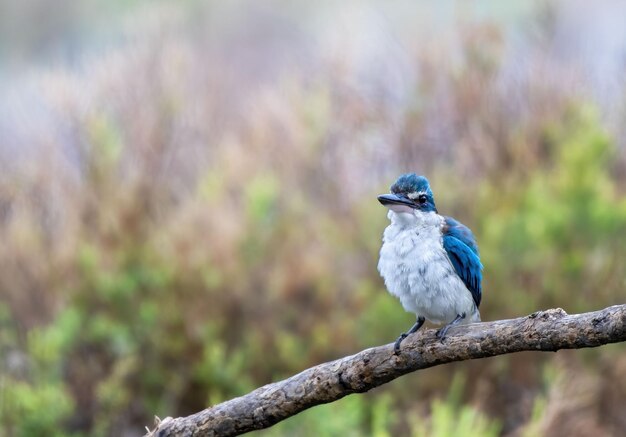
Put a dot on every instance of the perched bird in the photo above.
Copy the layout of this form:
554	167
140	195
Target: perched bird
429	261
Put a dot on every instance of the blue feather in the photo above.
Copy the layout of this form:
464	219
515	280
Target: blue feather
462	250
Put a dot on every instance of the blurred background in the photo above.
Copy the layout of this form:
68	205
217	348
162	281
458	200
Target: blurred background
188	205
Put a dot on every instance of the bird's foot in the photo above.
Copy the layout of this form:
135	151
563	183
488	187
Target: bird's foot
418	324
441	334
396	345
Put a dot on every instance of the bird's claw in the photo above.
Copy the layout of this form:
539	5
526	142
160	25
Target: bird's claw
418	324
441	333
396	345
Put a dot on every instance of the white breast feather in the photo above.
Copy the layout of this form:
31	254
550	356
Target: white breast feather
417	270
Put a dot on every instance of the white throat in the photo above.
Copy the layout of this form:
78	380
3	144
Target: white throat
414	219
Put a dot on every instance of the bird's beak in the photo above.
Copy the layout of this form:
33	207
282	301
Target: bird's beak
390	200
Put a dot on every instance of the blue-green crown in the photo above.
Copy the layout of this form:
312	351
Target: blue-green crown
409	183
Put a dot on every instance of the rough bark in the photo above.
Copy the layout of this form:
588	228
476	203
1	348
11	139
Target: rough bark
549	330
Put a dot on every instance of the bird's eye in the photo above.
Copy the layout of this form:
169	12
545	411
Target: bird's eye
422	199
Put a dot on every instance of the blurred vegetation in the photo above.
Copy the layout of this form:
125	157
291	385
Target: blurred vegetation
177	230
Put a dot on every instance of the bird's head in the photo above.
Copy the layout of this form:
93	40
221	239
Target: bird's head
408	194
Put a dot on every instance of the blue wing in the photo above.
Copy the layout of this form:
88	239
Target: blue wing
461	247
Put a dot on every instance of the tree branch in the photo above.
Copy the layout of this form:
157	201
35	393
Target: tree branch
549	330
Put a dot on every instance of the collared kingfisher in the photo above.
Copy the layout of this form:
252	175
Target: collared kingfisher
428	261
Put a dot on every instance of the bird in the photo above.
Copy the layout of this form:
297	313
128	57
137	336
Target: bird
430	262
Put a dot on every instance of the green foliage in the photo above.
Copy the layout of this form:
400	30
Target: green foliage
558	223
39	409
353	415
451	418
39	402
222	380
344	417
